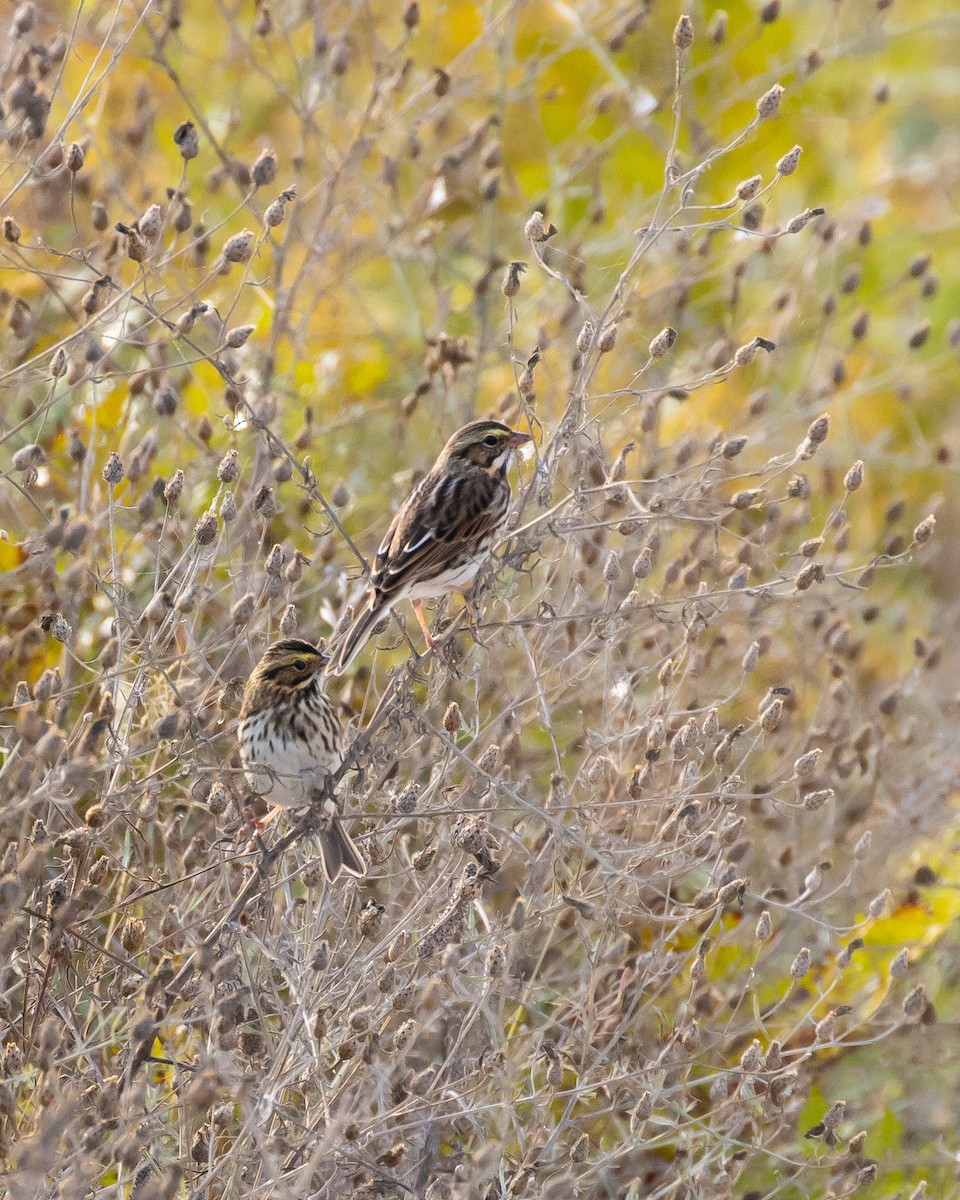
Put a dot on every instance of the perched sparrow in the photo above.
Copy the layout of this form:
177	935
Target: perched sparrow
441	533
290	738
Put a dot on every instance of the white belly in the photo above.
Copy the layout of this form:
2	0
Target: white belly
283	770
457	580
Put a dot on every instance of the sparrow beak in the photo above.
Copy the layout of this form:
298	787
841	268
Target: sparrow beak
518	439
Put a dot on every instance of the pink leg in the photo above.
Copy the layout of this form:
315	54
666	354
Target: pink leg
418	610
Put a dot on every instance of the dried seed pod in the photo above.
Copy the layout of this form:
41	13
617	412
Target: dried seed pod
919	335
788	164
748	188
924	531
173	489
187	140
228	468
769	103
239	248
878	904
536	231
11	230
264	169
276	209
452	718
29	457
663	342
113	471
854	477
683	33
800	965
238	336
205	530
915	1002
511	279
242	611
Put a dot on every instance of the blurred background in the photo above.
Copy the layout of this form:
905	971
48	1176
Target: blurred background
255	269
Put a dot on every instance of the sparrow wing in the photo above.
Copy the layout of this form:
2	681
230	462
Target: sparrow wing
444	519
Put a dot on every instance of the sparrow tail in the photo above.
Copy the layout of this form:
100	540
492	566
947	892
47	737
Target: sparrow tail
353	640
338	852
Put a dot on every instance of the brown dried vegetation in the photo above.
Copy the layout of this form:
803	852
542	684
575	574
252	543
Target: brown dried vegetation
640	841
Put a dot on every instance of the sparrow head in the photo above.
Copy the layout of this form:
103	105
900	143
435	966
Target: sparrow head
291	663
488	445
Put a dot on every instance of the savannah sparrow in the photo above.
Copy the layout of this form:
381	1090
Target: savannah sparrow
441	533
291	738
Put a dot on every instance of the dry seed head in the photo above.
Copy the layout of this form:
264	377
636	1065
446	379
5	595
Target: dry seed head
806	764
919	335
769	103
807	576
862	848
611	568
585	336
205	530
29	457
788	164
277	209
264	169
511	280
748	188
340	494
854	477
423	859
746	498
900	964
643	563
607	339
919	265
11	230
915	1002
878	904
452	718
770	718
683	33
113	471
662	343
238	336
800	965
733	446
239	248
187	140
228	469
173	489
751	1059
151	222
242	611
751	658
228	507
924	531
535	230
264	503
802	220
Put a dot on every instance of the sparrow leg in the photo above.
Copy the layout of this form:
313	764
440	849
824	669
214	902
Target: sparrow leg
259	826
418	610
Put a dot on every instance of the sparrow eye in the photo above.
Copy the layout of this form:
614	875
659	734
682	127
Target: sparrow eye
491	440
300	664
